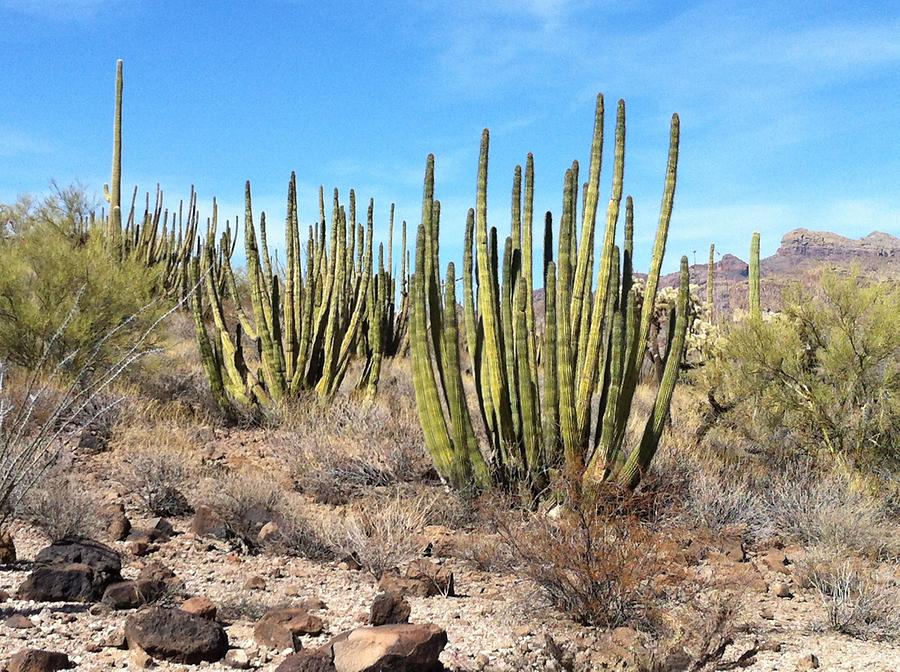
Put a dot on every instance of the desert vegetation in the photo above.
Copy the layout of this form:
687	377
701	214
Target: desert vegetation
236	460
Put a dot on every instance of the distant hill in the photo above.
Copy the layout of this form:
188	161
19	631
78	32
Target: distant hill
800	258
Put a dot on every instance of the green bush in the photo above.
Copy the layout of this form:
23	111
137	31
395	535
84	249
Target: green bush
47	263
822	375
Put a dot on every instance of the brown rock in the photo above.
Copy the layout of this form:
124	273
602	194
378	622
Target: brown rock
314	660
208	523
439	578
276	636
255	583
781	590
4	596
237	659
297	620
423	578
132	594
268	532
35	660
157	571
776	561
808	662
7	549
175	635
139	548
117	524
389	608
389	647
200	606
18	622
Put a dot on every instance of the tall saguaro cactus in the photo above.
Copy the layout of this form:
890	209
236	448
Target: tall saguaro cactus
755	311
537	397
710	279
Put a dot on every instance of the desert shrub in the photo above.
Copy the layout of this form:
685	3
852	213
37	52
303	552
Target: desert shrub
337	450
855	603
45	263
822	376
61	507
299	535
828	508
380	535
245	501
157	475
594	563
45	409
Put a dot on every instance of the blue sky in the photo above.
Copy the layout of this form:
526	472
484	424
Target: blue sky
790	111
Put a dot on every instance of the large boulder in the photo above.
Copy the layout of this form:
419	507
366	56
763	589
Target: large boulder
99	557
72	570
35	660
175	635
398	648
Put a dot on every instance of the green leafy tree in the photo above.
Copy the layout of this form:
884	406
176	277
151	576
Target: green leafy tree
822	374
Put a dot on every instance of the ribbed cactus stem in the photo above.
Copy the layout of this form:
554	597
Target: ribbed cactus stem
755	310
710	279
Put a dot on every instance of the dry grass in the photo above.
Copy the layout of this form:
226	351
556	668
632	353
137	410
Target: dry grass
337	450
61	507
381	535
246	501
855	602
157	462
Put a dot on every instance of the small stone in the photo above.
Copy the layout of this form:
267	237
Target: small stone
36	660
140	659
389	608
808	662
782	590
275	636
255	583
138	548
776	561
18	622
767	614
238	659
7	549
200	606
268	532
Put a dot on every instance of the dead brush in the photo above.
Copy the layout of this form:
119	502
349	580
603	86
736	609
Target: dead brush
381	535
156	464
596	562
60	507
855	603
337	450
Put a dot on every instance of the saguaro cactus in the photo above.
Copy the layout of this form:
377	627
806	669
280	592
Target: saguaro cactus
755	311
536	410
710	279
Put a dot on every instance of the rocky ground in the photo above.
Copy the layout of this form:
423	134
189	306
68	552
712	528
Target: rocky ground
494	621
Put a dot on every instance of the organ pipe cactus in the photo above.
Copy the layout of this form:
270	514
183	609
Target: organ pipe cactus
755	311
307	324
536	397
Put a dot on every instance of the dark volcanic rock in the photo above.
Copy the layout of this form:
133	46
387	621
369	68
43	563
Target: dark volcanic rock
35	660
175	635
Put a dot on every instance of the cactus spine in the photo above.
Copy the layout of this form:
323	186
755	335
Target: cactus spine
755	311
536	402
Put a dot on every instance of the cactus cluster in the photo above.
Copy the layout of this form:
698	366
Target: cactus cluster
308	320
562	400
